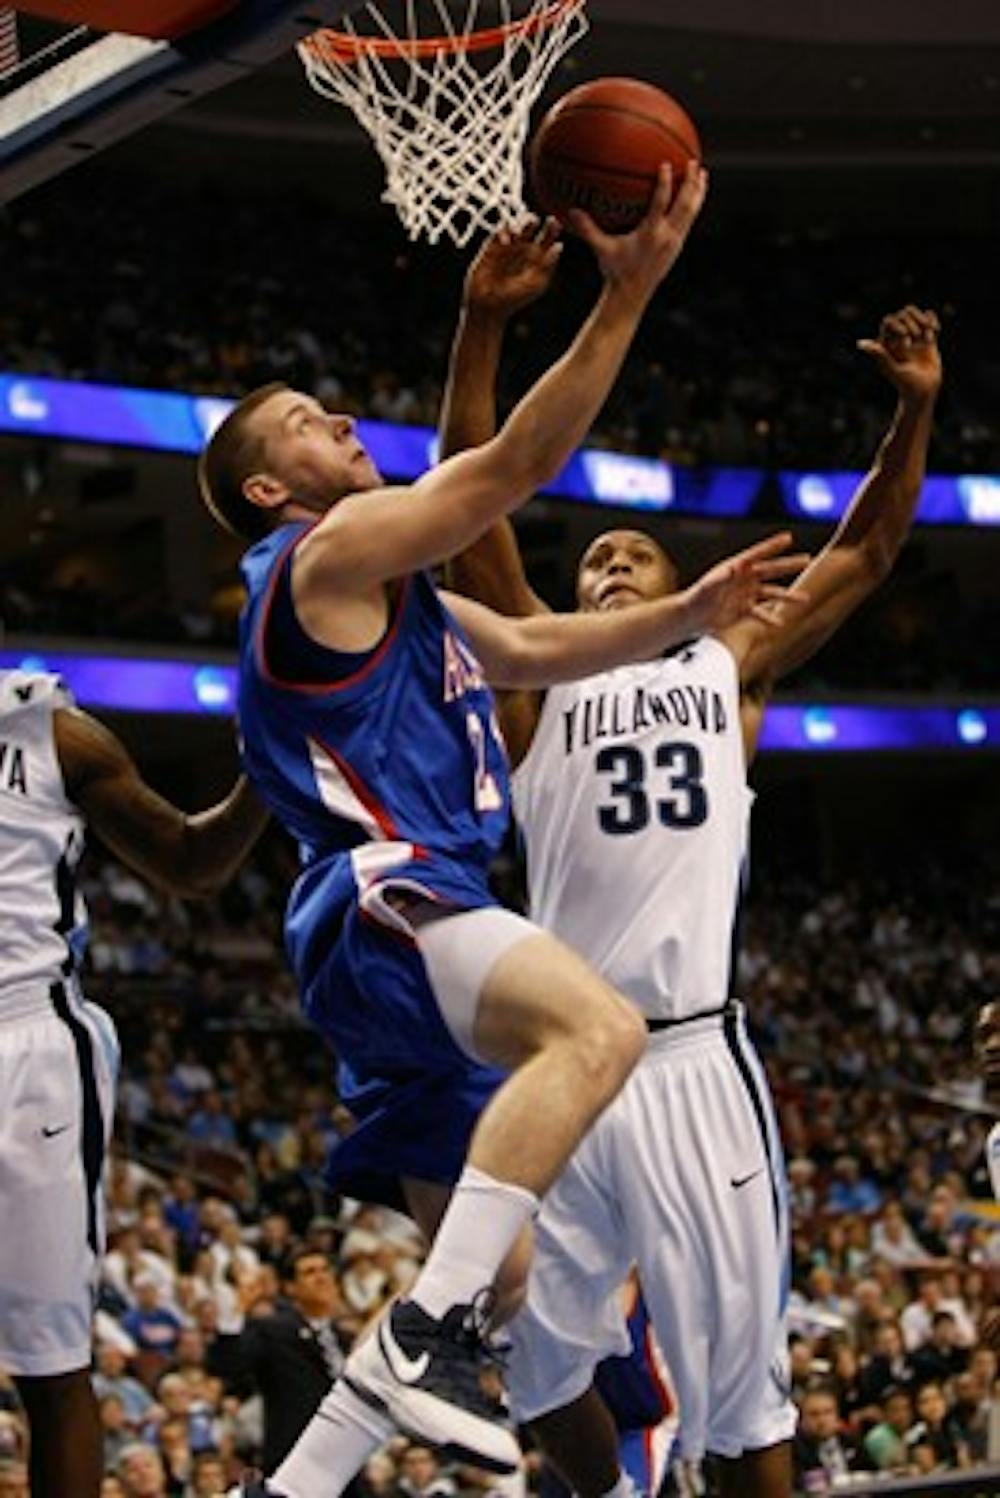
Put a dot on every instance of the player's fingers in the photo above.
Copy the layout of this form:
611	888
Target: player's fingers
582	224
690	197
784	595
789	566
929	326
910	319
548	233
662	192
760	551
527	228
893	329
874	349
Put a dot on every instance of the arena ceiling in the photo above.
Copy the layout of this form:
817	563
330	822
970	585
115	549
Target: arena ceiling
779	82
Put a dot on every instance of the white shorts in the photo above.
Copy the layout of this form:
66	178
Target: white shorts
683	1176
58	1068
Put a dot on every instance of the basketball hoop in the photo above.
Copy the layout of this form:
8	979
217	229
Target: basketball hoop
446	99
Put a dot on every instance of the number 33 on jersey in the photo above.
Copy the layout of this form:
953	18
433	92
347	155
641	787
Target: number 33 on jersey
634	808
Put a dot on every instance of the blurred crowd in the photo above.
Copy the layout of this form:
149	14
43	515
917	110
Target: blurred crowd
747	358
234	1285
920	633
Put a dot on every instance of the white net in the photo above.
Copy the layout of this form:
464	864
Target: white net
446	99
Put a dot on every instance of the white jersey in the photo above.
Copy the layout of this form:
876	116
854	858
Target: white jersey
42	919
634	809
993	1158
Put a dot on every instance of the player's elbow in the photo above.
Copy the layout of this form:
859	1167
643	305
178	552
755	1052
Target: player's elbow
530	455
876	560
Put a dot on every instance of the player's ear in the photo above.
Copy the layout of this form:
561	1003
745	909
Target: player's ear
265	491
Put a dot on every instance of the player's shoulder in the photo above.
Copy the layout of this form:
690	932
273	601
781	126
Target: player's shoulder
22	691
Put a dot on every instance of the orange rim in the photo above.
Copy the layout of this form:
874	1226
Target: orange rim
346	47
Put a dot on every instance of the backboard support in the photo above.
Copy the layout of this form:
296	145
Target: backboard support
113	85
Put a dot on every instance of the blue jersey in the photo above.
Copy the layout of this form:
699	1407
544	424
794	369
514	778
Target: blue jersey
387	765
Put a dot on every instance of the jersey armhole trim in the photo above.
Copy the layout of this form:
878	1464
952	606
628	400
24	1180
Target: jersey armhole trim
519	770
337	684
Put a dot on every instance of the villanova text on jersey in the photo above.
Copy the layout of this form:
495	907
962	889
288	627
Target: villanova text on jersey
13	768
608	713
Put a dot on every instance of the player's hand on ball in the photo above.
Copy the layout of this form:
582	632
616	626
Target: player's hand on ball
906	352
639	261
514	267
746	586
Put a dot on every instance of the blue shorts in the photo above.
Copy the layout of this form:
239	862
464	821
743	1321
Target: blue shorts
414	1093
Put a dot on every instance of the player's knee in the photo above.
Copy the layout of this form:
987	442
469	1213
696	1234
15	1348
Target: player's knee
610	1045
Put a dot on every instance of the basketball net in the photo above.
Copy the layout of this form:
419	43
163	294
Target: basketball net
446	99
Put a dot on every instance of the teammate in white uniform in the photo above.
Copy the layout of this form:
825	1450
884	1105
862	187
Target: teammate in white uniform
631	793
59	1053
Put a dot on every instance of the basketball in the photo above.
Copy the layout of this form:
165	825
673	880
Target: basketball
600	146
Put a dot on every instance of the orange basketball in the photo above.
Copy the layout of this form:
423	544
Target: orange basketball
600	146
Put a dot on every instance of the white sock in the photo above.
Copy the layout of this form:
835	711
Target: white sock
333	1448
483	1219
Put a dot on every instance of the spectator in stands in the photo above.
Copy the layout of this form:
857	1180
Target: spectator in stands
189	1358
420	1475
939	1358
151	1325
111	1377
820	1450
939	1232
292	1354
884	1446
889	1366
935	1441
175	1452
180	1209
844	1382
208	1475
867	1315
141	1469
894	1240
917	1320
850	1191
971	1412
275	1242
210	1124
115	1429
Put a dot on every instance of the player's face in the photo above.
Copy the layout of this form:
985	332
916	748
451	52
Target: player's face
988	1046
315	454
622	568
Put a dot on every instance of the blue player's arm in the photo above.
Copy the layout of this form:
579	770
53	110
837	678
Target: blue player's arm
548	648
188	855
371	538
867	541
510	271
